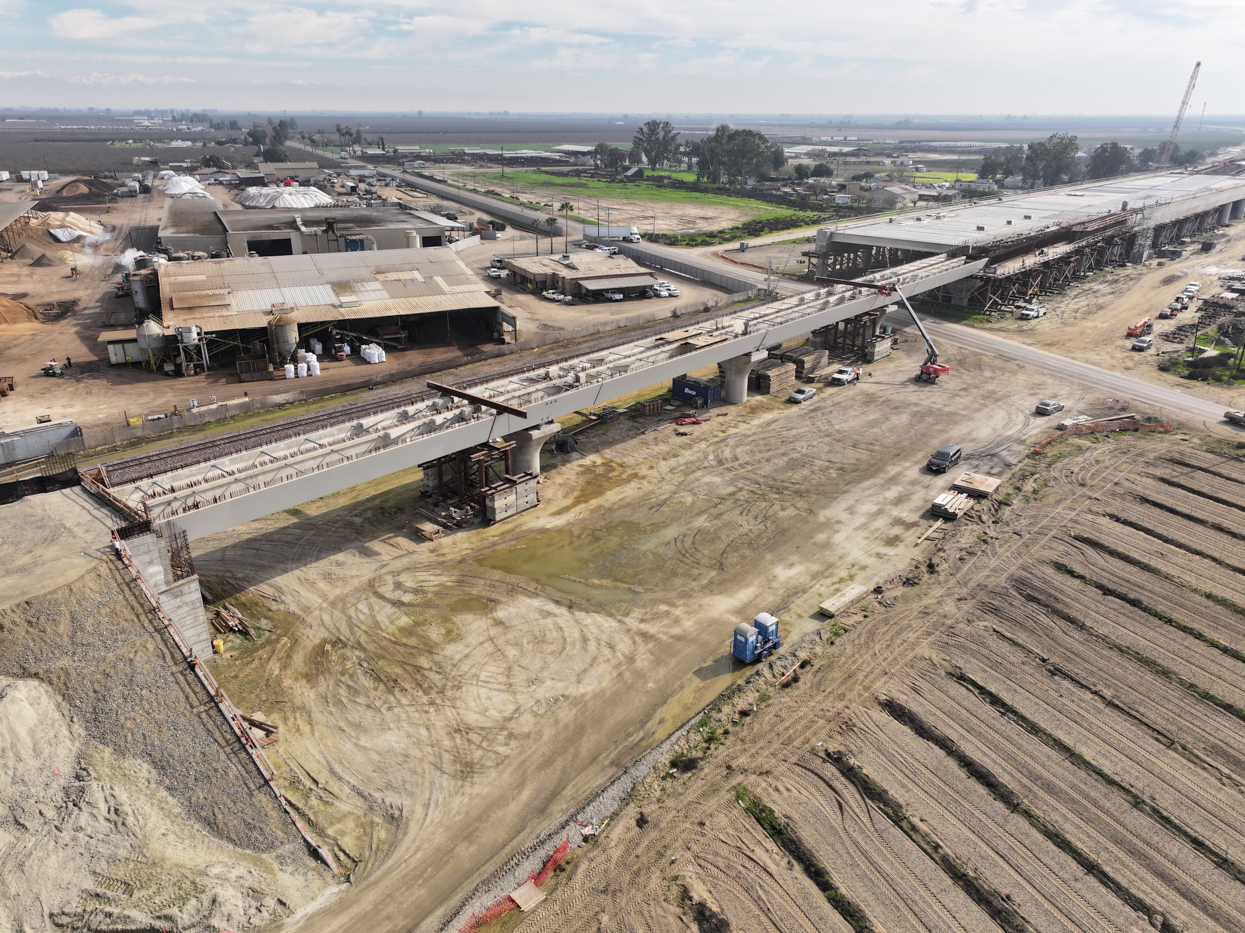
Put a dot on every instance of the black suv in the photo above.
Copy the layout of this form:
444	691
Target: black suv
945	458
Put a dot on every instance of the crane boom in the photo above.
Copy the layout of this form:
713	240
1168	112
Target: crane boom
1170	146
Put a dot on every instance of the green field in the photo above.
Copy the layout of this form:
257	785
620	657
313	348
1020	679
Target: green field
945	176
583	191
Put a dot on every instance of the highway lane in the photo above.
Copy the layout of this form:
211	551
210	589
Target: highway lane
1116	385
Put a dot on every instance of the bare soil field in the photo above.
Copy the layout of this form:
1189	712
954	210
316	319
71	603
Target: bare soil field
1037	727
442	702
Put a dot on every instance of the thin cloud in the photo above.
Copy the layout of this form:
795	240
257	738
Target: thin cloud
85	23
104	77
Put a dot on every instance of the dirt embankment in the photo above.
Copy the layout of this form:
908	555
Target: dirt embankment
126	803
1037	728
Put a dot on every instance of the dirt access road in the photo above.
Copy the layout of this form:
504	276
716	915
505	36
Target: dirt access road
1034	731
441	703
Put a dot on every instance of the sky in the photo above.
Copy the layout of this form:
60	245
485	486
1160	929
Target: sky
642	56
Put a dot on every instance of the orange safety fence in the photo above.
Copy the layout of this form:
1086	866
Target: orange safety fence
1104	427
507	903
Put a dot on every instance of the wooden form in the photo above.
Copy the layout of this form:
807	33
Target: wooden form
844	600
951	505
976	485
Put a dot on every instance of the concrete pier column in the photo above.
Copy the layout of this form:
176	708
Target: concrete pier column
527	444
1225	214
736	369
1238	209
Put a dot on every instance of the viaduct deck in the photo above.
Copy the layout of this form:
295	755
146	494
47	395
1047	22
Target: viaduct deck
211	486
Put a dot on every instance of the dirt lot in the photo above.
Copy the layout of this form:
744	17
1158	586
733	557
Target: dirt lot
1038	728
1087	322
479	686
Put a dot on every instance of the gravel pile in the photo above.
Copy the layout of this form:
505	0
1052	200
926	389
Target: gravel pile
97	644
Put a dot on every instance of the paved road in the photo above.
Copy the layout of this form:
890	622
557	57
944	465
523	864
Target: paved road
1114	384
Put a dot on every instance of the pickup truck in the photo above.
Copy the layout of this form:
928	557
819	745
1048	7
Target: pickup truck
1030	312
1236	417
553	295
845	375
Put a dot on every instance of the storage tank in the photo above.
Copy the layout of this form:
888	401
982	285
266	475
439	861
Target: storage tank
188	335
150	335
412	239
285	336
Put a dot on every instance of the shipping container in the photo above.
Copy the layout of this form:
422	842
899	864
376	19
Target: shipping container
703	394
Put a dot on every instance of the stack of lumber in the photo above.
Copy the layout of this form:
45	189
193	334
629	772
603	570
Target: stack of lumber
951	505
229	619
774	377
975	484
650	407
807	360
844	600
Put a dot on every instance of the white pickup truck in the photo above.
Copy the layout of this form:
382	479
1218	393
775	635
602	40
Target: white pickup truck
1236	417
845	375
1030	312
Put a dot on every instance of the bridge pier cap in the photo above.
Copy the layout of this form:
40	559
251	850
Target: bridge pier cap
527	445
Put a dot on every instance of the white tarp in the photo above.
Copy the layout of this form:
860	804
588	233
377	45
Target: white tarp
165	175
64	234
182	184
283	197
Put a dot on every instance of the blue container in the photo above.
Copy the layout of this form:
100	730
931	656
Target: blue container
688	390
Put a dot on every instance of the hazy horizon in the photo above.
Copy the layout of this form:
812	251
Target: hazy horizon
702	58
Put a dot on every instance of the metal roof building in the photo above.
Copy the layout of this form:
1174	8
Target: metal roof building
240	294
204	225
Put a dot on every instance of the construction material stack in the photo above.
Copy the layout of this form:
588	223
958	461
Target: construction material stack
507	499
773	377
951	505
976	485
807	360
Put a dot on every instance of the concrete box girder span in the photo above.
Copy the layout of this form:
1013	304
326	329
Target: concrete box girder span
215	504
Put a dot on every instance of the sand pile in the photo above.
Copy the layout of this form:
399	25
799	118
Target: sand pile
14	312
58	258
27	252
72	189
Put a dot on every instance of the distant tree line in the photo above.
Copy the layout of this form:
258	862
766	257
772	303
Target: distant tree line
1053	161
728	156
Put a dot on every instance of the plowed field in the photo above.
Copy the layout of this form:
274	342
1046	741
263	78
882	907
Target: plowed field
1041	728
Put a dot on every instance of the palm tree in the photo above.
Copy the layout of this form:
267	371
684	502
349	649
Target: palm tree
551	222
565	209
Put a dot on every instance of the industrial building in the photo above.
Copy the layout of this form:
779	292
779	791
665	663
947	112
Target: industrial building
1037	242
279	171
203	225
252	313
582	274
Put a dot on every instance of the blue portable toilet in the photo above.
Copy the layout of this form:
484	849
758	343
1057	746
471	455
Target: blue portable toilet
745	642
757	641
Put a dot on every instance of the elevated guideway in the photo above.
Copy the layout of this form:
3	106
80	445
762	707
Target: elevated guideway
210	486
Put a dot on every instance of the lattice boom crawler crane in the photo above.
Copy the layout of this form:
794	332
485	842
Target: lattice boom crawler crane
757	641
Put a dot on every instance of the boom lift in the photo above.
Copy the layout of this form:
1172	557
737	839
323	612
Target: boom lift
931	369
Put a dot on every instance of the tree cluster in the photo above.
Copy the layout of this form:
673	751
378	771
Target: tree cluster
731	155
658	142
1054	160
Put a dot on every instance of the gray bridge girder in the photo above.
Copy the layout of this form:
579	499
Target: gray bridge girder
381	447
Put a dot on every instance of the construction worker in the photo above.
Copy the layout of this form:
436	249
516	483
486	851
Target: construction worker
68	363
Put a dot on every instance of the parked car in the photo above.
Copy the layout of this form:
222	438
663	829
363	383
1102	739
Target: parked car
494	272
553	295
844	375
1143	343
1236	417
496	263
945	457
607	250
612	296
802	394
660	292
674	292
1193	288
1030	312
1048	406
